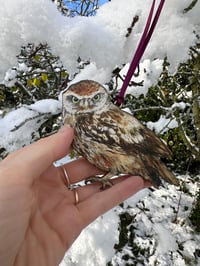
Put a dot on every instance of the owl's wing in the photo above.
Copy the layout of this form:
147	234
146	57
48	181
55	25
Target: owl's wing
124	145
126	134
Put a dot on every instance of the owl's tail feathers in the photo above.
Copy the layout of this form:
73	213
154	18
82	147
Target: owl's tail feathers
159	171
167	175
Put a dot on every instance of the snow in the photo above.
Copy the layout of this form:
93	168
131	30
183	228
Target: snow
25	122
101	40
157	231
97	237
9	79
162	125
149	74
47	106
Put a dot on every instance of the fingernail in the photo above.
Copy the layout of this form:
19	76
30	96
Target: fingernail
64	128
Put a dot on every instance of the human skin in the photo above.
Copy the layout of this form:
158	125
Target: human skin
39	218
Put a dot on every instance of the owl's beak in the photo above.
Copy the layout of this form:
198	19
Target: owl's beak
83	105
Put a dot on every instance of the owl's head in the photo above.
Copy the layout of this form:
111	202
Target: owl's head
86	96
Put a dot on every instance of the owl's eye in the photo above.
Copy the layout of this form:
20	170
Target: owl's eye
74	99
97	97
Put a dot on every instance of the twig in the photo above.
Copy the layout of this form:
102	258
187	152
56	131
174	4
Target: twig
180	198
26	91
27	120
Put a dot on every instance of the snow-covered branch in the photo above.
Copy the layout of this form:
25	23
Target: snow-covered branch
21	127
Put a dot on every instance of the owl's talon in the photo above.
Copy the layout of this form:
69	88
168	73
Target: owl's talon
106	183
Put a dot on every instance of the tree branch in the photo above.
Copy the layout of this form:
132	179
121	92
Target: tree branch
18	83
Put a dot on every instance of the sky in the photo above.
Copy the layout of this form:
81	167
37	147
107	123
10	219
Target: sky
101	2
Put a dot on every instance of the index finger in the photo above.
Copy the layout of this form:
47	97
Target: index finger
102	201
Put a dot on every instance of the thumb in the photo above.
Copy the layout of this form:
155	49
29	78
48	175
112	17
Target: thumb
34	159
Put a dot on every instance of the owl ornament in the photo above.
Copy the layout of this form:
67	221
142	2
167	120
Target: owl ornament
112	139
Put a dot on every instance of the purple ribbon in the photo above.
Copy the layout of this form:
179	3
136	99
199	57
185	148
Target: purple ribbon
148	31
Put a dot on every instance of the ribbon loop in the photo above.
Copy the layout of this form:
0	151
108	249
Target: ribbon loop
148	31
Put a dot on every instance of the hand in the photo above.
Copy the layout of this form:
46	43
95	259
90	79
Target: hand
39	217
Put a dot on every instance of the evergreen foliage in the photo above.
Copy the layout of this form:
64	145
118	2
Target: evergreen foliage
195	214
176	97
37	76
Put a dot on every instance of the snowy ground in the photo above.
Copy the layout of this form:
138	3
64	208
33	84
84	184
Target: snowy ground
158	231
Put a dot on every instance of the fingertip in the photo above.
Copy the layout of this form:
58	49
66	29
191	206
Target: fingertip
65	128
140	181
131	185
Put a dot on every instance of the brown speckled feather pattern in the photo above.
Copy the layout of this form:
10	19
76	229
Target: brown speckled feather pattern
116	142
